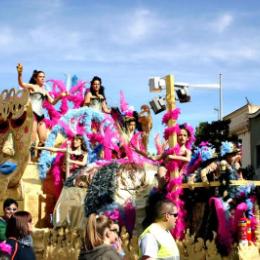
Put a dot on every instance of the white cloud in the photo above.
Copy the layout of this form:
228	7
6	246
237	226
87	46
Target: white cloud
140	26
222	23
135	27
139	36
46	41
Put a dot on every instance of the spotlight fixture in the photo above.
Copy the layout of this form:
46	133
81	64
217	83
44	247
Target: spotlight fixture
158	104
183	95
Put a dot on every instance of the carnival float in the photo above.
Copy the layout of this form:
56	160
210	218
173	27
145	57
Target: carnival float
96	159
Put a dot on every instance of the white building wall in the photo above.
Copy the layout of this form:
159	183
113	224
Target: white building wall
246	149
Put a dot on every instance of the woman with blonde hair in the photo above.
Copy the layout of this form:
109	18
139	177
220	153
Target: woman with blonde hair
99	238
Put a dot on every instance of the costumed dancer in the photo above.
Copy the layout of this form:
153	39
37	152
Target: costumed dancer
130	125
177	158
95	98
146	122
78	155
127	133
203	165
130	128
174	158
78	159
38	94
126	122
184	153
231	160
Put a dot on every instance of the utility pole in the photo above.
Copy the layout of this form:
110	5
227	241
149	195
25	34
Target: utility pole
220	98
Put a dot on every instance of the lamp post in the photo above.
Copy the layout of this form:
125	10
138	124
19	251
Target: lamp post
220	98
209	86
174	173
218	111
171	105
156	85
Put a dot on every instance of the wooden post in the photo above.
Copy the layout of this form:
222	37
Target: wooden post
171	105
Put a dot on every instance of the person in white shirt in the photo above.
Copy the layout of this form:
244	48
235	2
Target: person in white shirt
156	242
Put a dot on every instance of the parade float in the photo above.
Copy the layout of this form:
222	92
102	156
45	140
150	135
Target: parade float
218	209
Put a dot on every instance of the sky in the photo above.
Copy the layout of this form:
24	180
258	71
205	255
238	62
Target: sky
127	42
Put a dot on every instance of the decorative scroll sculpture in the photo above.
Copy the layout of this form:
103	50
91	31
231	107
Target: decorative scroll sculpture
16	119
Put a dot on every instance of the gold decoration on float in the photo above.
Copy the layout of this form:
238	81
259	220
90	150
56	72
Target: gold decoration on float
16	119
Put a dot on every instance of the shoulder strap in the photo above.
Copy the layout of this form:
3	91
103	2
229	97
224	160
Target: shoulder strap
15	250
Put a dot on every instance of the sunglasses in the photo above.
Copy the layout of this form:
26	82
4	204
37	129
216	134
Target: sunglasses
11	209
171	213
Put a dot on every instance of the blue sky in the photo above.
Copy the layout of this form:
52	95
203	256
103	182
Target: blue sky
126	42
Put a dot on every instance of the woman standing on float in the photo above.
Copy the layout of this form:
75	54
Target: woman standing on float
95	98
37	95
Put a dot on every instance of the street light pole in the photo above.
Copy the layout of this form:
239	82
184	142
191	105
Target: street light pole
220	98
171	105
170	102
211	86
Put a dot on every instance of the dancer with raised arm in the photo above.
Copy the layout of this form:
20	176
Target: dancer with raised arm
38	94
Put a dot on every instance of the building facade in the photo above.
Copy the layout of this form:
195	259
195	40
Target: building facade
240	125
255	141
